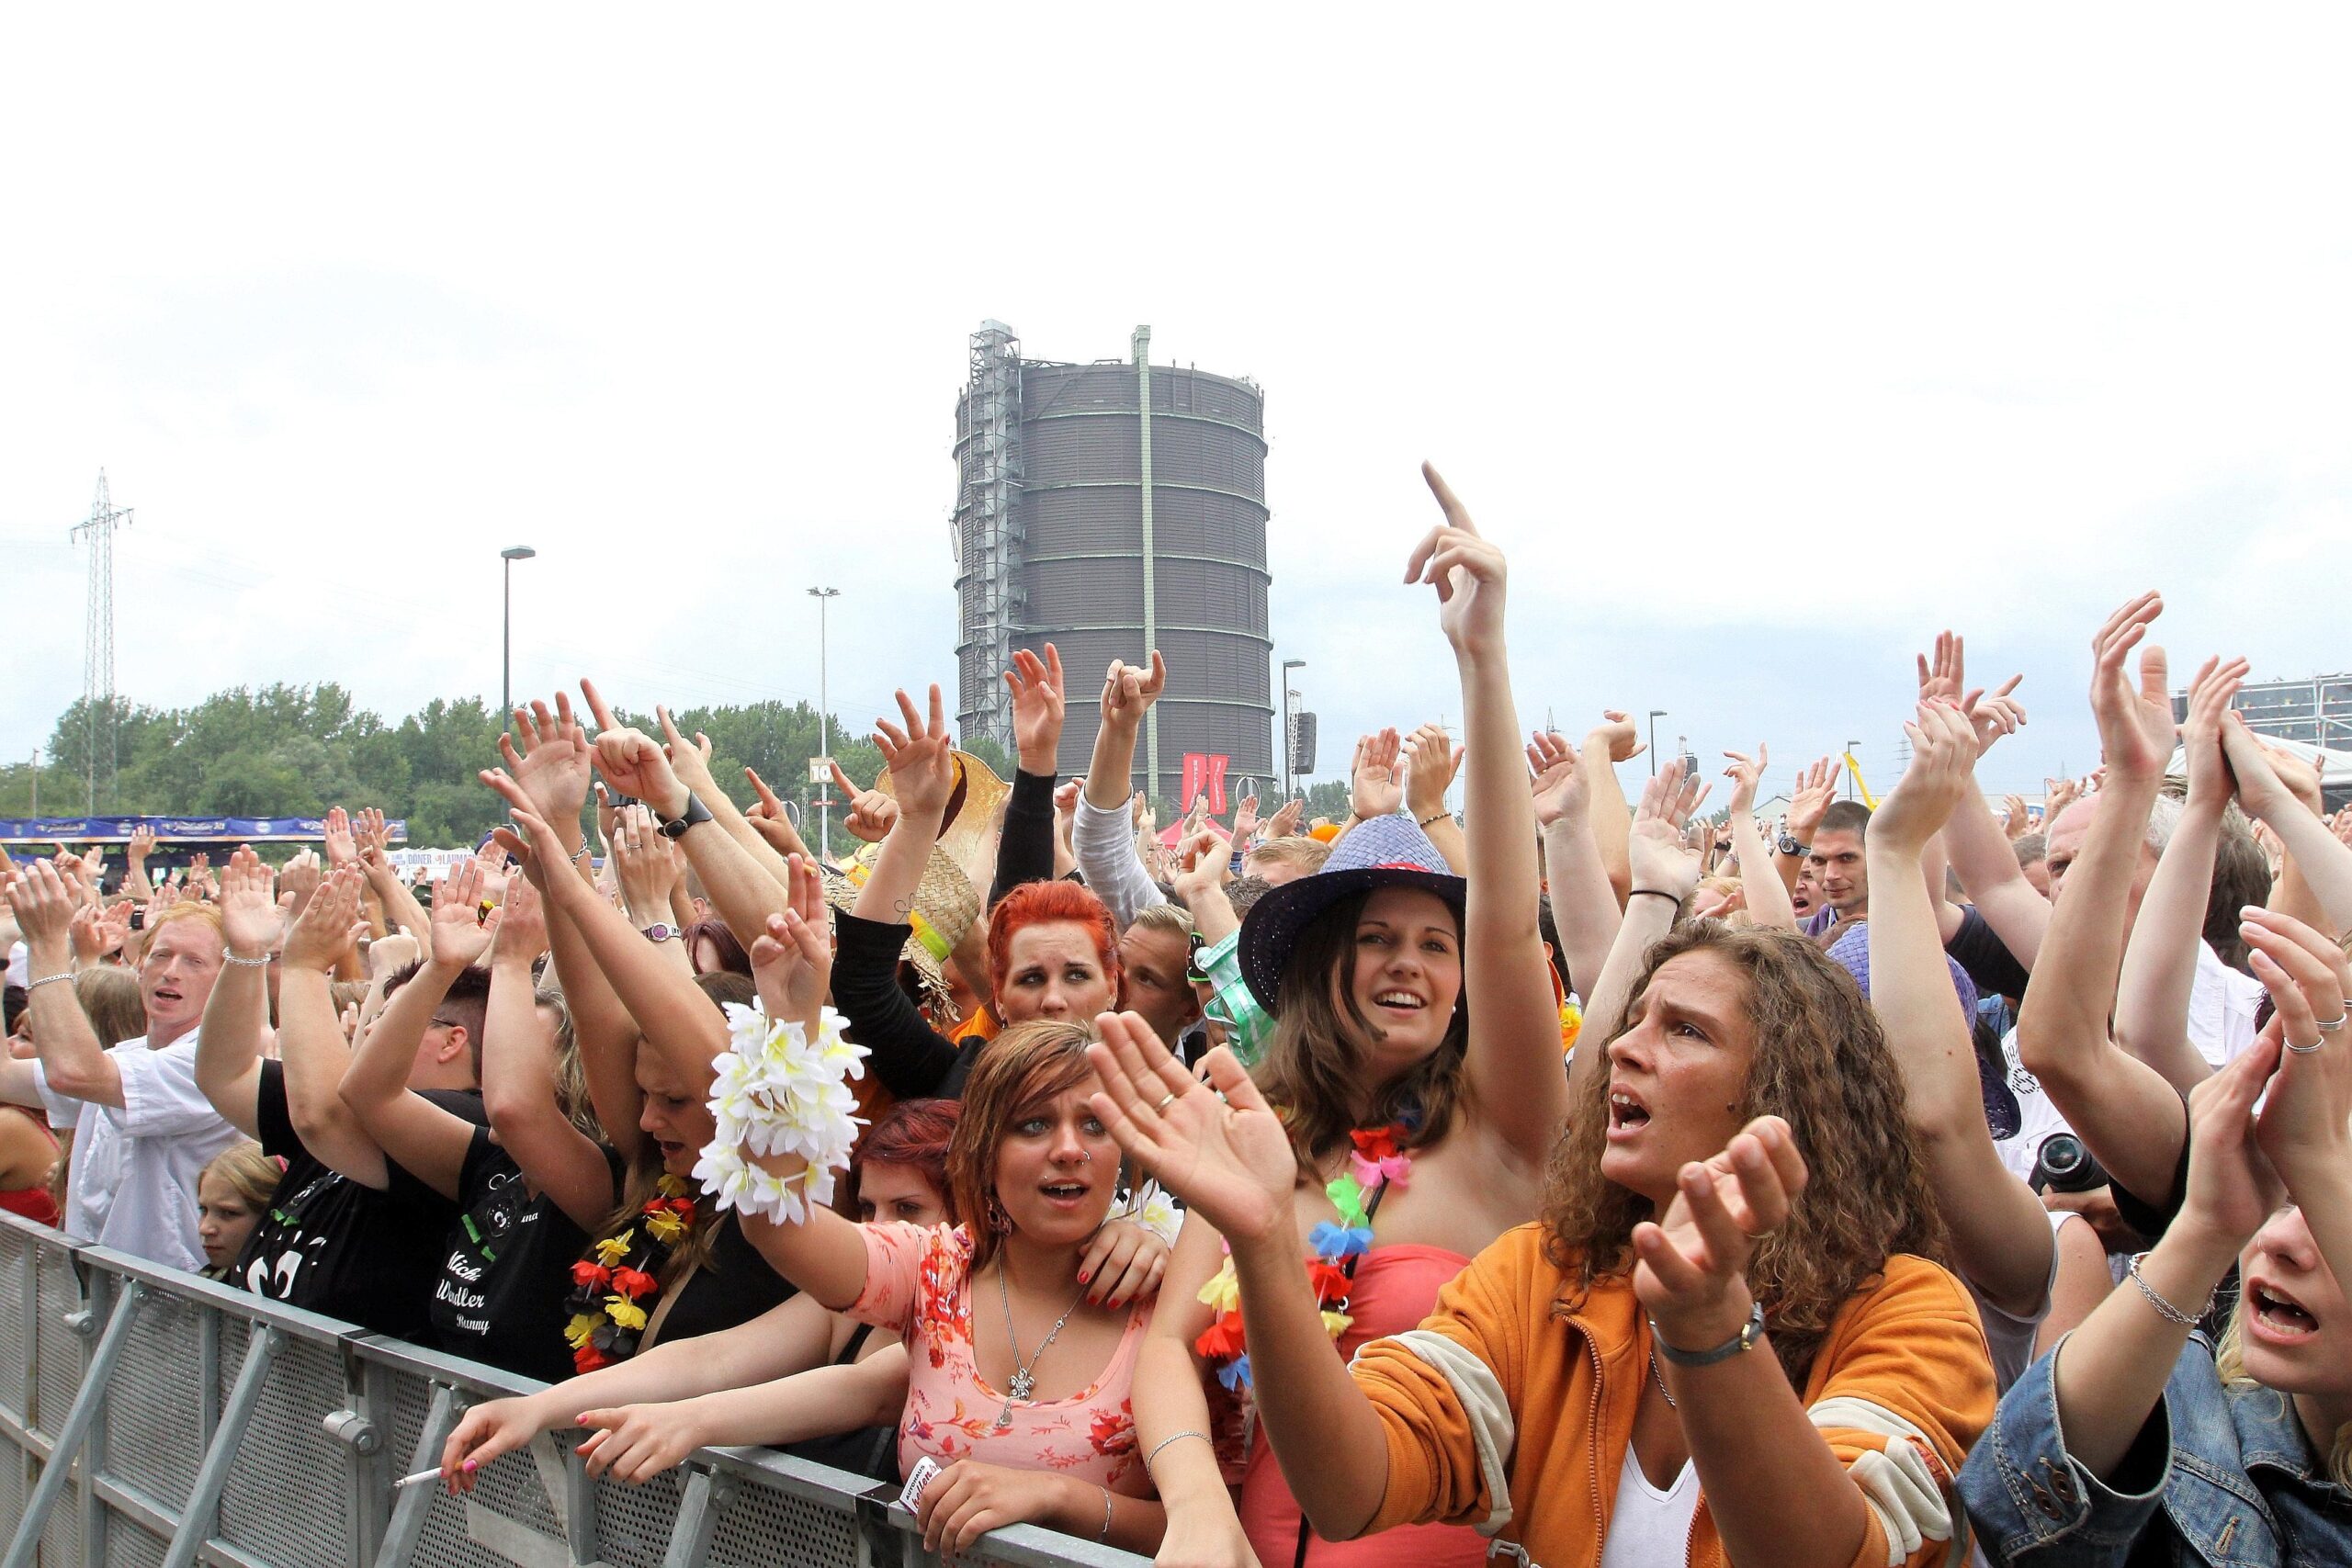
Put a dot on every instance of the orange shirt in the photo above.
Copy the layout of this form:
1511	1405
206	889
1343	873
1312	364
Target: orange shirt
1505	1412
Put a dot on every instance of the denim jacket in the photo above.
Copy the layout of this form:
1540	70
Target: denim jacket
2240	1485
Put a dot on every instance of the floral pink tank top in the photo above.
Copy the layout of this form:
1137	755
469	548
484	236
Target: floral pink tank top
918	1283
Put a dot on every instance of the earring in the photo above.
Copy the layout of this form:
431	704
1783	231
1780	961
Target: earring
999	1221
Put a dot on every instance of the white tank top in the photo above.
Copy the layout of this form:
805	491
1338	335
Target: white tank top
1650	1529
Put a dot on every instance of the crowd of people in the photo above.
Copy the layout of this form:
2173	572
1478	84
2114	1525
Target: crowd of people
1566	1178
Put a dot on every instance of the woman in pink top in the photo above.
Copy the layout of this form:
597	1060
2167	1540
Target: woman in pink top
1446	1112
1016	1384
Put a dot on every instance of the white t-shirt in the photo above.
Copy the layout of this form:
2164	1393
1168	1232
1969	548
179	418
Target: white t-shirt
1649	1528
2010	1340
2221	1004
133	1185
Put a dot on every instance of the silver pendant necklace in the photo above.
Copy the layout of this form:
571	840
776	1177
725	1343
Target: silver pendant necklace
1024	1382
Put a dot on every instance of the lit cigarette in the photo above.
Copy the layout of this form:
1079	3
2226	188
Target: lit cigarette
424	1475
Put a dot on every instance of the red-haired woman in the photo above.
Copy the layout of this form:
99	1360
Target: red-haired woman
1052	951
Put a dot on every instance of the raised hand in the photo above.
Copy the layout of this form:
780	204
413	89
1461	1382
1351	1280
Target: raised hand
1616	733
634	763
2056	796
250	920
1228	1159
372	839
1284	822
1943	753
690	759
2231	1187
1995	715
2269	780
1245	821
647	863
2135	728
1204	862
1129	690
1691	1270
1037	704
2210	783
921	758
2305	1122
871	814
44	902
1373	789
554	762
142	845
460	935
1661	861
1466	569
1816	787
300	877
1744	776
328	925
1431	760
200	881
1562	790
2020	821
336	840
792	961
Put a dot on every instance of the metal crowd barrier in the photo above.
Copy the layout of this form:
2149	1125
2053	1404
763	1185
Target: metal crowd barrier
148	1417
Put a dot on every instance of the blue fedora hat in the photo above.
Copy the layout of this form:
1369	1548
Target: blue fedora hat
1387	851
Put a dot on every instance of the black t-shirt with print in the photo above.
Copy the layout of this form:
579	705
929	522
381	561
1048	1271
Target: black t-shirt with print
506	1267
330	1245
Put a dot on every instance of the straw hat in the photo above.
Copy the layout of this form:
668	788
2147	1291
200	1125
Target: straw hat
946	905
968	833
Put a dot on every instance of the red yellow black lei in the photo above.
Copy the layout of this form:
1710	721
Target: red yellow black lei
616	1286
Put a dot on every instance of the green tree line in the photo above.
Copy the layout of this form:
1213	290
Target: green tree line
292	750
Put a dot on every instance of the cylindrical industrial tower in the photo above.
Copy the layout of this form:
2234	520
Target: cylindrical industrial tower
1066	533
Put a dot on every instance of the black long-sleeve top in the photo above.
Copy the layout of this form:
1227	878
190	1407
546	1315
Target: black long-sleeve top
1025	852
910	1058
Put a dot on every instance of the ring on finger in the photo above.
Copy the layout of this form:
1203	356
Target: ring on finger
2330	1025
1165	1101
2303	1050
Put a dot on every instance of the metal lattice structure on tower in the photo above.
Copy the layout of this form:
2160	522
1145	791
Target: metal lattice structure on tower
991	584
98	652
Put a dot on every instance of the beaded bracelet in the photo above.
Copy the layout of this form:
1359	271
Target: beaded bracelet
32	986
228	958
1176	1438
2164	1309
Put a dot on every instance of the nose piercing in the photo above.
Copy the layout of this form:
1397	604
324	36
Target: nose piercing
1089	1155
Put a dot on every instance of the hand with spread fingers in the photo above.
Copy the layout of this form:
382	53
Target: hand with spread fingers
328	926
1562	790
921	758
555	761
1691	1270
251	922
1374	788
792	961
372	839
1746	774
1038	701
1432	760
1943	753
1662	861
461	934
1816	787
1228	1158
2135	727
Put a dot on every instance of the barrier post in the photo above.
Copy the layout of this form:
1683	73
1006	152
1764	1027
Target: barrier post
196	1523
409	1514
87	1402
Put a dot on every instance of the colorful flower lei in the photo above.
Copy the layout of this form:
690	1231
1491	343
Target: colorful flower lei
1379	1159
779	1091
614	1288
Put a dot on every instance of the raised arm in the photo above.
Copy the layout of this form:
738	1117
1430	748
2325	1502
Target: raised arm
309	1036
1816	787
1612	741
518	1073
1664	869
2001	1237
652	869
134	864
2125	1112
1432	760
420	1136
1584	908
371	840
1514	1057
72	1060
1101	835
1025	849
1768	895
2325	863
236	1016
2160	959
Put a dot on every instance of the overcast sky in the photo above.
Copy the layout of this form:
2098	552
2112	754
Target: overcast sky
1764	348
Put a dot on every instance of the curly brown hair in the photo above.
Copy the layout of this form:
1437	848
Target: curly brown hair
1312	1072
1818	1061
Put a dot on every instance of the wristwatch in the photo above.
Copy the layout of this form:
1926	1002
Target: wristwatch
676	828
1750	1332
660	931
1789	846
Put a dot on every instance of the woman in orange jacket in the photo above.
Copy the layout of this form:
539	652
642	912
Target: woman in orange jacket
1724	1340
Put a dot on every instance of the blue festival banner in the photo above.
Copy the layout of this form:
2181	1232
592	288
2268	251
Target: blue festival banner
169	829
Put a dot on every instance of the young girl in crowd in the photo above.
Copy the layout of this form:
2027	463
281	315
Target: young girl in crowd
655	1408
2139	1440
1416	1060
1739	1178
230	1197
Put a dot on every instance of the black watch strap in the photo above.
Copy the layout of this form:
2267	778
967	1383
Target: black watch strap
676	828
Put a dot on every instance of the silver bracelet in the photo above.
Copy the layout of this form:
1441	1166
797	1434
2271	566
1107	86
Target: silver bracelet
32	986
229	957
2164	1309
1163	1442
1106	1534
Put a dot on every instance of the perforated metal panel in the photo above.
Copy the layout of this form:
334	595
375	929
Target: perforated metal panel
15	1321
131	1545
761	1528
154	1404
633	1523
61	1351
289	1482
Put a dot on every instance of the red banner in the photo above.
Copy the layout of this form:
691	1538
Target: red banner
1206	771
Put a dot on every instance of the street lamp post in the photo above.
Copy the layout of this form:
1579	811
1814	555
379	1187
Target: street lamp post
824	729
1289	709
510	555
1655	714
1848	760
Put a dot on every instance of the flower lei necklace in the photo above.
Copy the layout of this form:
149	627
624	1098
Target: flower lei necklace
1378	1161
618	1284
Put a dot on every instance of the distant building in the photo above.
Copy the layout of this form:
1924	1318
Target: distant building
1107	522
2317	712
